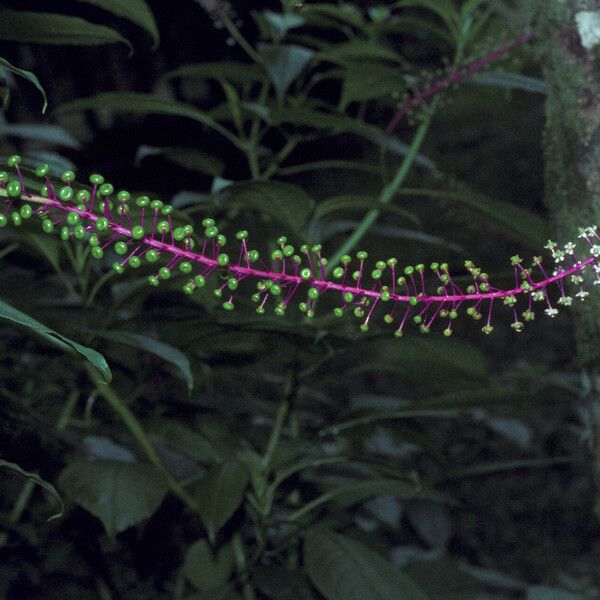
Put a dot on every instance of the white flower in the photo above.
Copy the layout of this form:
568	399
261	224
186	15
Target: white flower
592	230
597	267
576	279
558	255
582	294
582	233
565	300
550	245
570	247
595	250
551	312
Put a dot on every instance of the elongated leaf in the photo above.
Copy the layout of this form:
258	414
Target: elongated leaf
120	494
287	203
519	223
344	569
51	134
49	28
16	316
220	494
513	81
145	104
368	81
153	346
361	203
4	464
343	13
136	11
193	159
31	77
206	569
284	63
356	50
236	72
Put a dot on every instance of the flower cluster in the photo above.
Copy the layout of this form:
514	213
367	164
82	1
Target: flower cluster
142	233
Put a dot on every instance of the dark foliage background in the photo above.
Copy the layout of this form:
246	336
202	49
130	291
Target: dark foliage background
309	460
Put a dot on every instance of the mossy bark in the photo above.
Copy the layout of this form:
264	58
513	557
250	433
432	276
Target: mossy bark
572	161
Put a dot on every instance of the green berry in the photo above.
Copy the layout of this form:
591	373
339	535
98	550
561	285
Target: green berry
26	211
137	232
47	225
241	235
232	283
96	179
199	280
13	160
72	218
79	232
66	193
118	268
65	234
362	255
97	252
16	218
164	273
228	305
102	224
42	170
185	267
348	297
338	272
106	189
13	189
305	273
67	176
134	262
153	280
142	201
313	293
152	255
121	248
223	260
4	221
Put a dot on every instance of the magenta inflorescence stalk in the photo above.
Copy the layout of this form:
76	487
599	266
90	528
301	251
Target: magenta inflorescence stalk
142	231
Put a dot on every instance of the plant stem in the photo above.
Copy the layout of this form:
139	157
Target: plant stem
388	192
234	32
240	562
138	433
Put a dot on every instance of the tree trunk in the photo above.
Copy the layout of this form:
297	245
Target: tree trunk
568	32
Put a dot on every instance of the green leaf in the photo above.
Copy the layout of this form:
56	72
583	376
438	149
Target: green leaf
205	569
136	11
519	223
183	439
50	134
35	478
544	592
368	81
283	63
236	72
95	358
444	9
31	77
344	13
153	346
287	203
355	50
412	360
352	202
220	494
282	23
279	583
120	494
48	28
192	159
513	81
348	494
146	104
344	569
